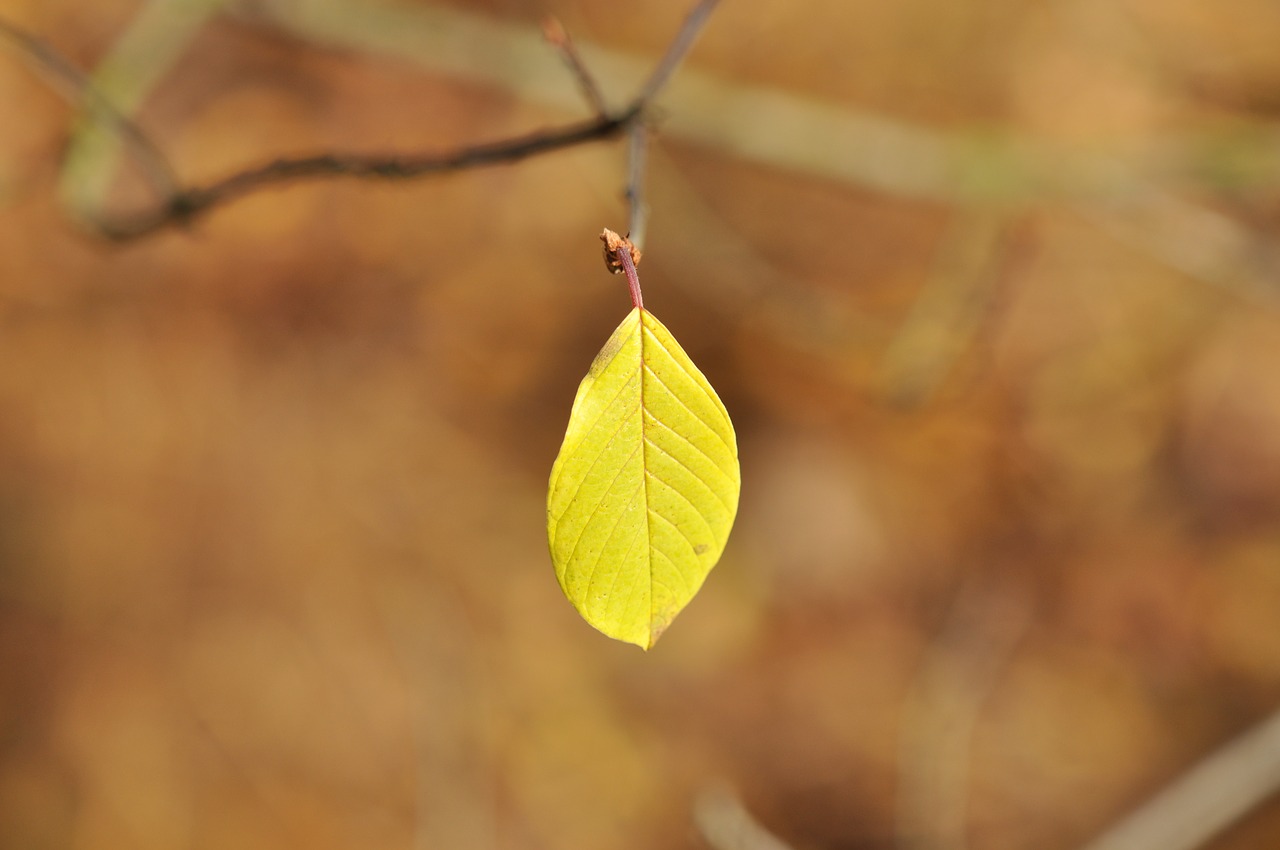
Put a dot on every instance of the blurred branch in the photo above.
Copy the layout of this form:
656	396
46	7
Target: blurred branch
678	49
637	156
182	204
73	85
791	131
1206	799
726	824
638	132
784	130
983	629
558	37
948	312
1198	241
140	57
188	203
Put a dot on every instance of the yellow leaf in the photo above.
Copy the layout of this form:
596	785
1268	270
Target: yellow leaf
645	488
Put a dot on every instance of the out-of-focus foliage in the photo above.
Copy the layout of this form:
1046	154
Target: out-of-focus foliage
273	568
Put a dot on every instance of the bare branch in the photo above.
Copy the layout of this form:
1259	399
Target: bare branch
181	205
558	37
637	162
680	46
986	622
73	85
1207	799
187	204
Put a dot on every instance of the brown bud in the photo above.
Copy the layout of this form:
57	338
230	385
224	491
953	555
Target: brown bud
614	243
554	32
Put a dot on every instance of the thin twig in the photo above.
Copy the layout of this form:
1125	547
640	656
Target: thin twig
558	37
637	163
75	86
187	204
962	668
181	205
680	46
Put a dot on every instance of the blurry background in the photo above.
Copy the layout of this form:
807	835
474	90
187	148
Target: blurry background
989	288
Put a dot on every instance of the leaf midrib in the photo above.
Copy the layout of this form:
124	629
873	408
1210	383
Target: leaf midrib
644	472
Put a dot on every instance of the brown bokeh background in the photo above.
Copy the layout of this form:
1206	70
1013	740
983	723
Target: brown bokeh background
273	568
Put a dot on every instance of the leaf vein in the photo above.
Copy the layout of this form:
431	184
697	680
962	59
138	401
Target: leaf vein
693	473
700	450
600	504
677	362
688	586
696	416
600	555
687	538
590	469
604	410
687	501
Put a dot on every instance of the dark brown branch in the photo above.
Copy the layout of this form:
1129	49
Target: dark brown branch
187	204
182	205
